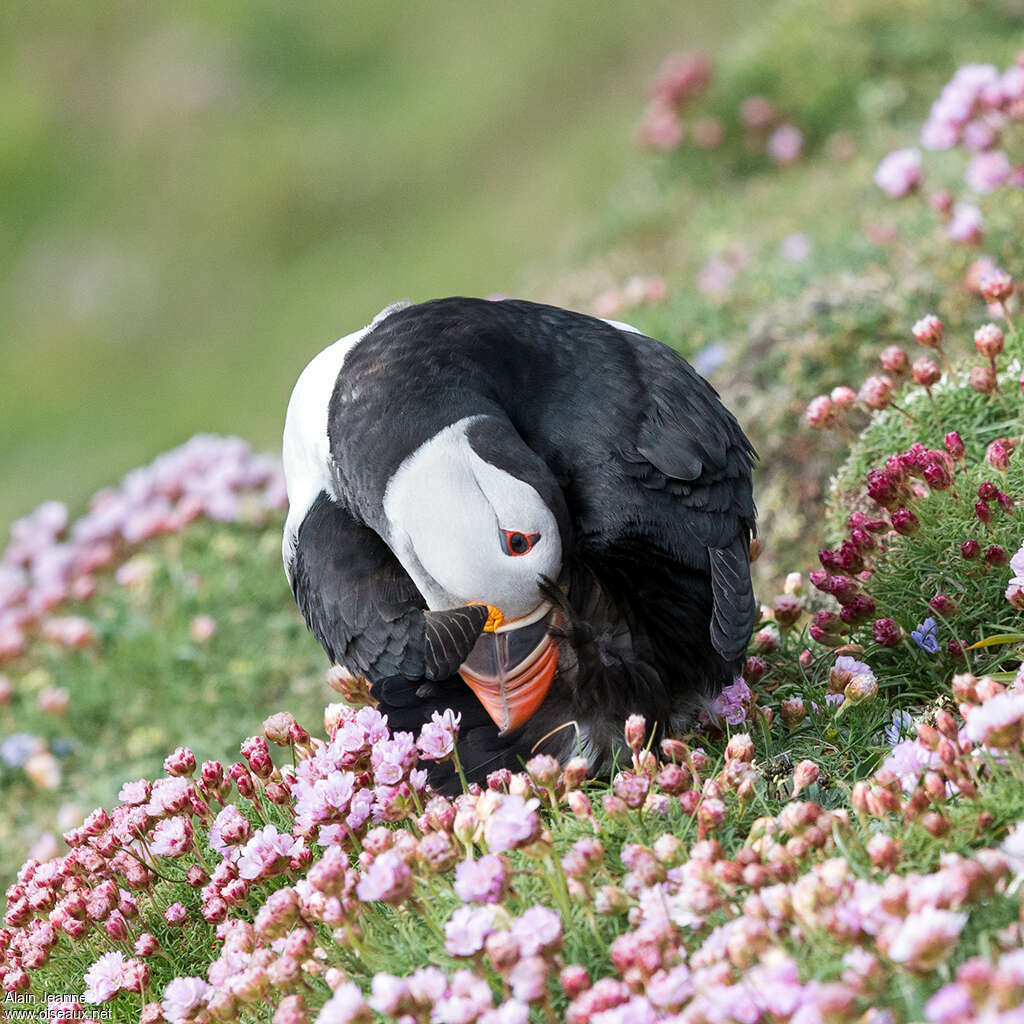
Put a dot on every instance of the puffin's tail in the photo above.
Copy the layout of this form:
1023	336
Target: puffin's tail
735	610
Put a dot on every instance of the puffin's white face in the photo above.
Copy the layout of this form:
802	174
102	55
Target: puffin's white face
468	531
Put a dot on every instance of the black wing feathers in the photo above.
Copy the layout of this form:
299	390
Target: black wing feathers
365	610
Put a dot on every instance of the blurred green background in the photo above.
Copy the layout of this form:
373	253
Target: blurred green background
196	198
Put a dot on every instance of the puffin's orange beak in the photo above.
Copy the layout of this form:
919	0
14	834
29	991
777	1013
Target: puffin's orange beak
511	672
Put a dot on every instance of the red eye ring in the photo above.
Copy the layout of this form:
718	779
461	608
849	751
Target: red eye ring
516	543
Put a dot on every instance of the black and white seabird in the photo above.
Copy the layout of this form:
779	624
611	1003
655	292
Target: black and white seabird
537	518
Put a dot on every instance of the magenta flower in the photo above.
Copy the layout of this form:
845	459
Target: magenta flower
481	881
230	829
731	703
467	929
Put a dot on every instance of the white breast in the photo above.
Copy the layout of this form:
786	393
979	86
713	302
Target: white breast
306	450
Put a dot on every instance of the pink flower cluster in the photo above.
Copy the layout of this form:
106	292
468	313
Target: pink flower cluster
702	936
974	111
51	560
679	83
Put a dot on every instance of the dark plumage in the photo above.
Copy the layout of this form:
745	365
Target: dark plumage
643	478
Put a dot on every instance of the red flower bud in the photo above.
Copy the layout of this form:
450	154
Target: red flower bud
904	521
887	632
876	392
997	456
820	413
944	605
970	549
954	445
996	555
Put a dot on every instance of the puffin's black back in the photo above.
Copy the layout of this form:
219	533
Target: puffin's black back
654	482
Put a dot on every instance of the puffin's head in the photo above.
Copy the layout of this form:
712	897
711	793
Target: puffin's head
475	516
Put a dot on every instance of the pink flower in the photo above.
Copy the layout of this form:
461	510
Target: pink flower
987	171
229	830
820	413
266	853
169	796
172	837
965	225
513	823
182	997
731	703
346	1006
392	758
388	878
105	978
467	929
785	144
999	722
481	881
926	939
900	173
437	737
538	930
201	629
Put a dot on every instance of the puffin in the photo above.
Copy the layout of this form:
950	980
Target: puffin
536	518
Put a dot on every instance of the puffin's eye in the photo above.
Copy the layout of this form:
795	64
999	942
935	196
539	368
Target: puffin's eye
516	543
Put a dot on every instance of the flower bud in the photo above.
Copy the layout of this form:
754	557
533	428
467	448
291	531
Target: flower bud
277	728
884	851
954	445
804	774
820	413
996	556
928	331
996	286
787	610
988	340
575	773
636	732
894	360
997	455
982	379
843	397
740	748
905	522
876	392
926	372
793	711
944	605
